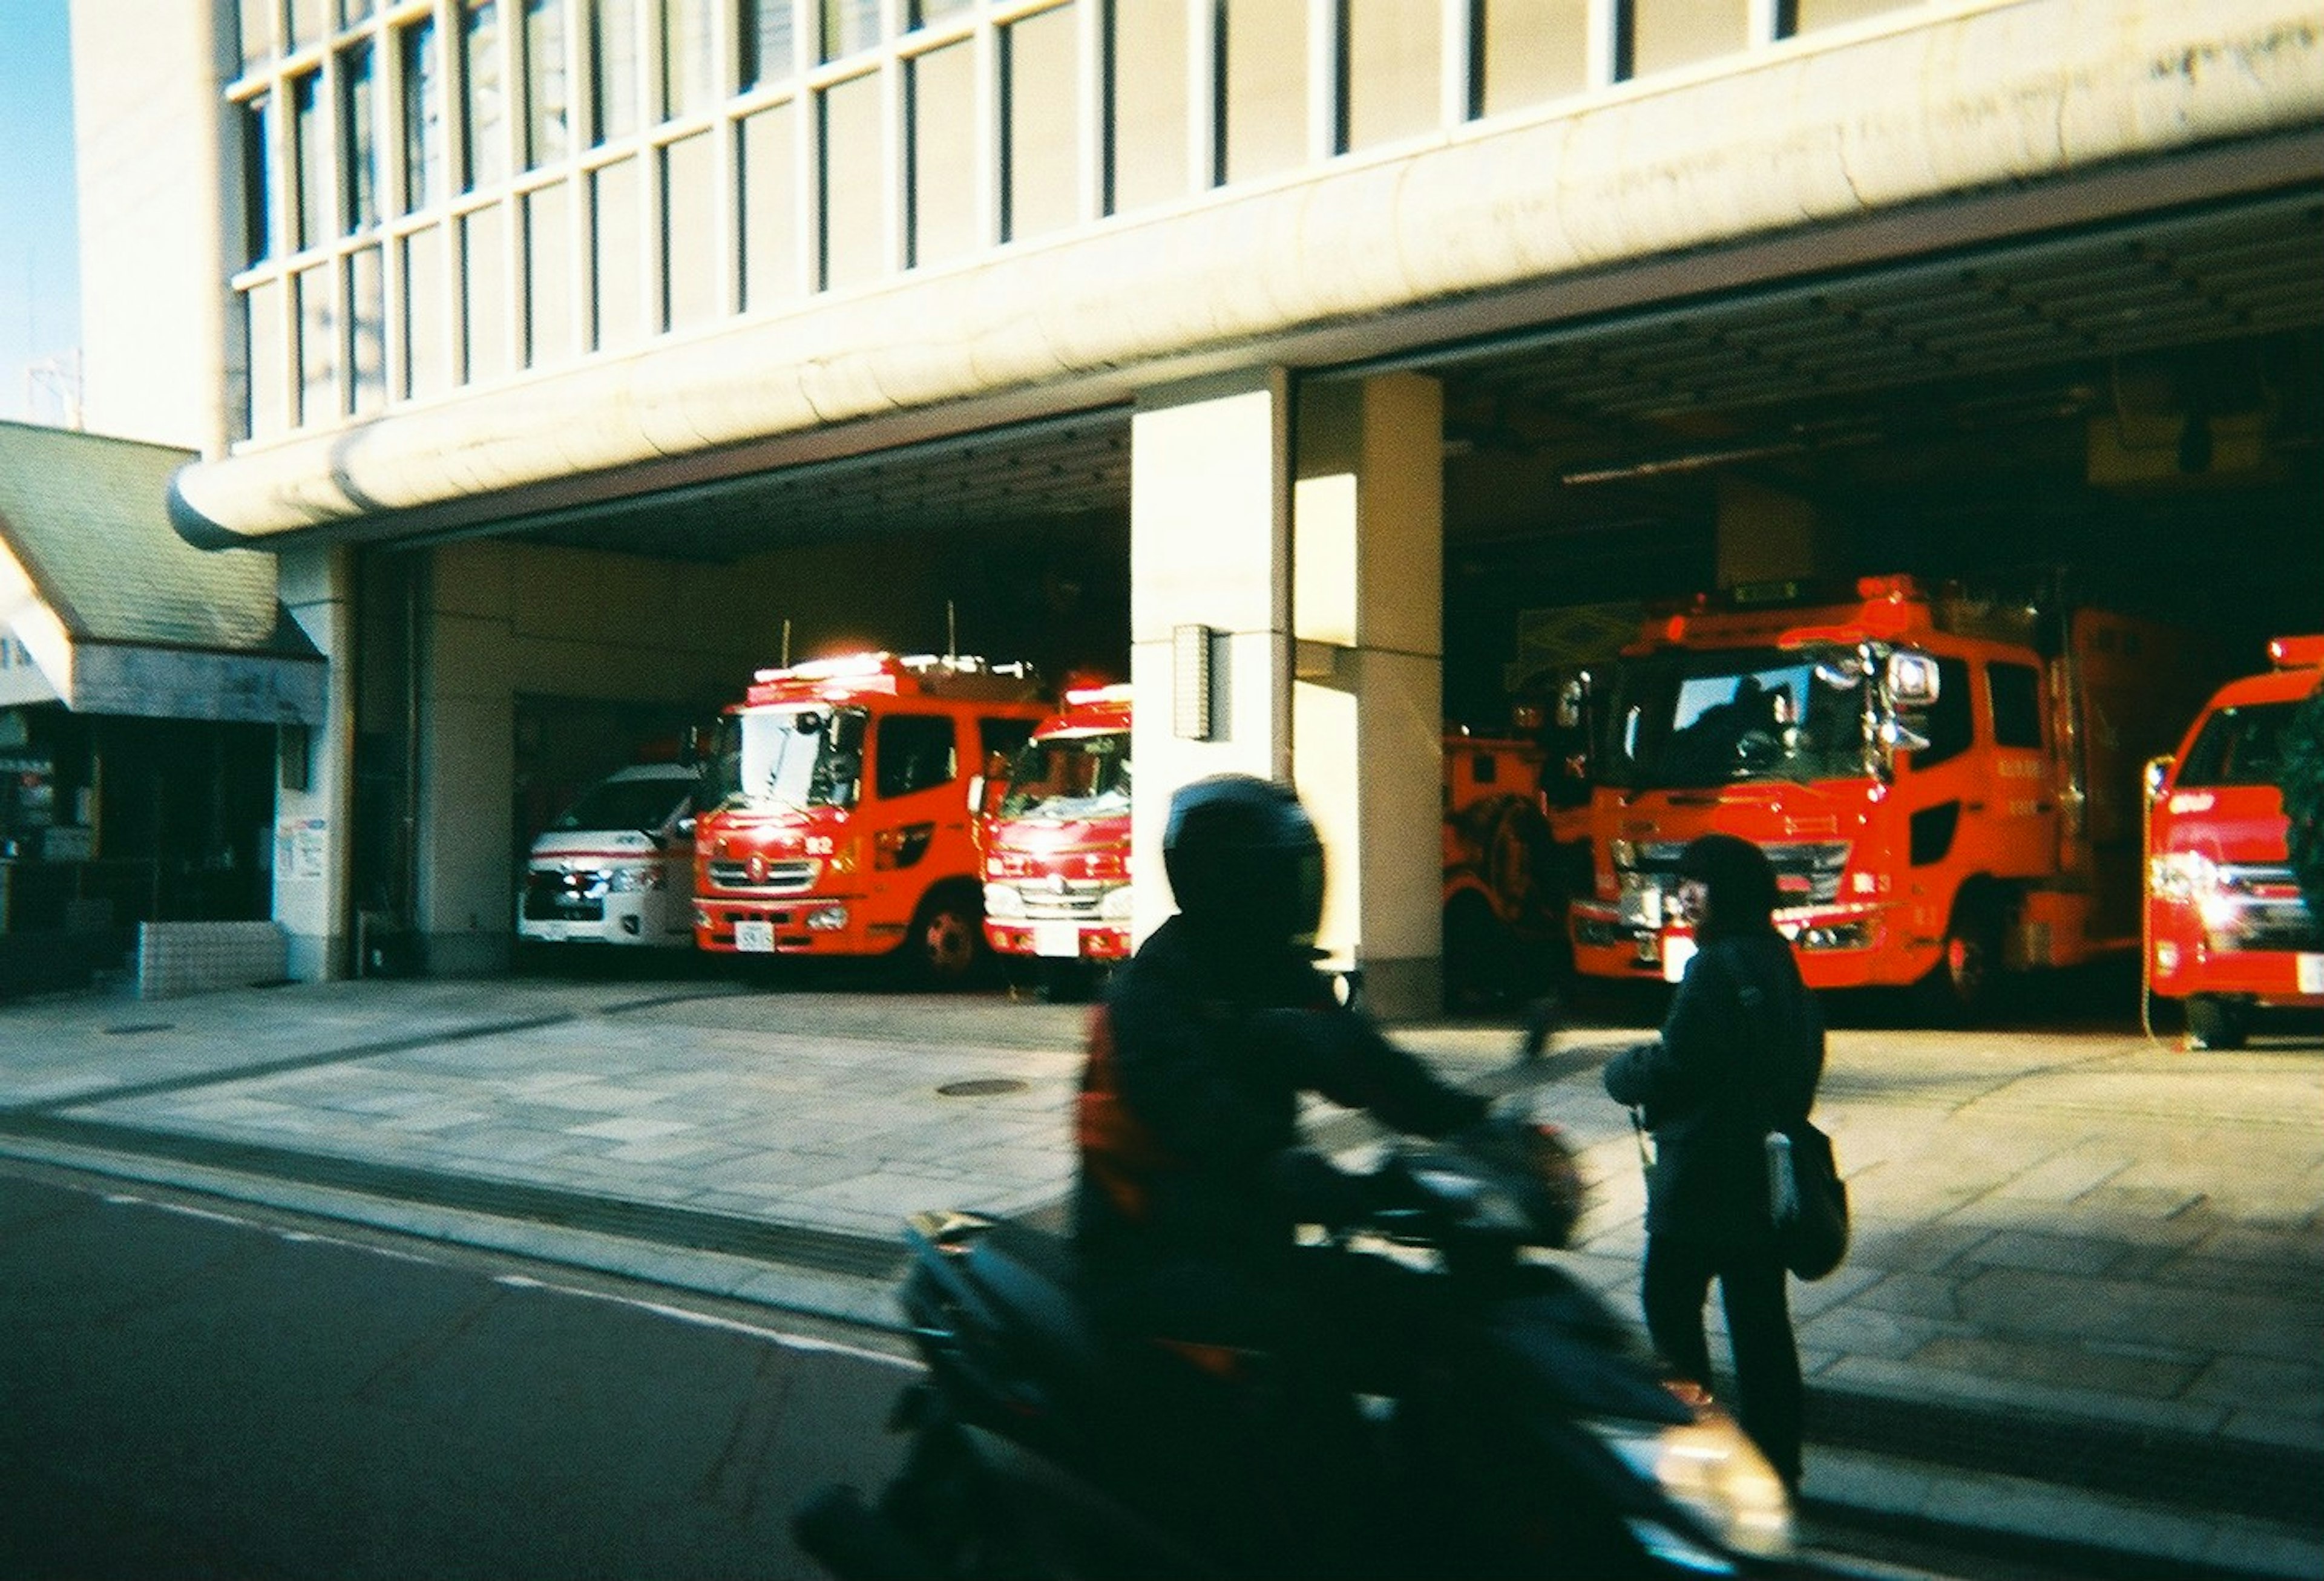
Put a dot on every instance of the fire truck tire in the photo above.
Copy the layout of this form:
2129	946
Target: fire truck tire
2217	1023
945	946
1966	983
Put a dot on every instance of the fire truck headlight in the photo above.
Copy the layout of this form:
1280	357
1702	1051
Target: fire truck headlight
2184	875
1003	900
827	919
1116	905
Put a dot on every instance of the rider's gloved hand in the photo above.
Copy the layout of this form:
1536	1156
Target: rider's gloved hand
1318	1191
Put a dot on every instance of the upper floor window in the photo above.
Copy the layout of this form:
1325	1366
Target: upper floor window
763	41
358	138
485	126
421	64
848	26
686	58
548	97
309	162
613	68
257	194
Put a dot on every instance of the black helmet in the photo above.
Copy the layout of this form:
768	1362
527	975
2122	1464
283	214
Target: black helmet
1244	863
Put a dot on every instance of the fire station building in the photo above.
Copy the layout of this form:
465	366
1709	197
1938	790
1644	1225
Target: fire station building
577	357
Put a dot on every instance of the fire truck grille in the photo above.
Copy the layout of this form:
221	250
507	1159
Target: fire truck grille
2270	913
1073	898
564	897
1805	875
784	877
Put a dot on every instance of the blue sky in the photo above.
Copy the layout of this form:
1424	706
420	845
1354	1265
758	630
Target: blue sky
40	280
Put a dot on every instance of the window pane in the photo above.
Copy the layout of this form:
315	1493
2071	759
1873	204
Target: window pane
237	366
849	25
944	222
486	129
427	366
613	67
547	93
615	196
310	20
423	116
1265	82
690	234
763	40
269	369
924	12
358	138
1041	161
257	195
768	184
484	279
552	334
1677	32
854	180
366	330
352	12
1146	73
1395	79
685	58
256	18
1533	52
319	350
309	167
1810	14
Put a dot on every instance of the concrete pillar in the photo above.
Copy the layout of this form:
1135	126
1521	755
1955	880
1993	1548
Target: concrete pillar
467	896
313	824
1368	553
1210	588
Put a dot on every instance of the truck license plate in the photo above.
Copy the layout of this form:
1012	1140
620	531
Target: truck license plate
1056	940
755	938
2311	968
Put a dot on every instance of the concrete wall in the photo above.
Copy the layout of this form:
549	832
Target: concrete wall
152	182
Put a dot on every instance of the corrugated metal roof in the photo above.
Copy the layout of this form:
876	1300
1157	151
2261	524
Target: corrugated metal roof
85	515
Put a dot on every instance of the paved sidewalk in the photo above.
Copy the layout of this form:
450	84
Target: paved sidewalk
2086	1299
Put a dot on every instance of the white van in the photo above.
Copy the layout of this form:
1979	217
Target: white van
618	866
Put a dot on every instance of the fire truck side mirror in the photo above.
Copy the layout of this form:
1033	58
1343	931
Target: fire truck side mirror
1912	678
2158	771
689	746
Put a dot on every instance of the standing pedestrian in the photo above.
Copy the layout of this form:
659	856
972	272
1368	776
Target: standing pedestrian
1740	1053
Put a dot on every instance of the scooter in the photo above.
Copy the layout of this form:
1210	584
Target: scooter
1536	1439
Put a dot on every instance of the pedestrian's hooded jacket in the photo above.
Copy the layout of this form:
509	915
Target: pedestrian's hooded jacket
1740	1053
1190	1101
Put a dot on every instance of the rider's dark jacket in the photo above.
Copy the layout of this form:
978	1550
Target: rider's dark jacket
1190	1098
1740	1053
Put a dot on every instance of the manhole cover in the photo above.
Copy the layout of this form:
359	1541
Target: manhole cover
131	1028
983	1087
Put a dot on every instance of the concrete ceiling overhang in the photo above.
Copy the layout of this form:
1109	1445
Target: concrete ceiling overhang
1807	160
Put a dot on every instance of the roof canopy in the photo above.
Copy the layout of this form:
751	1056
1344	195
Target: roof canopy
105	608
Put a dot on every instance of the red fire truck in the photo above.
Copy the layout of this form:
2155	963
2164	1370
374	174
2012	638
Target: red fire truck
2227	928
837	803
1948	785
1506	884
1056	848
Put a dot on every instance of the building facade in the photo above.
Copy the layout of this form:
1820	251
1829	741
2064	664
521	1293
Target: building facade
574	356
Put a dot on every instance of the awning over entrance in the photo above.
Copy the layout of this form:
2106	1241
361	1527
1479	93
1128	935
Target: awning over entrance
106	609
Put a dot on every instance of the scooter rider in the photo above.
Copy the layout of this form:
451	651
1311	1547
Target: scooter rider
1192	1181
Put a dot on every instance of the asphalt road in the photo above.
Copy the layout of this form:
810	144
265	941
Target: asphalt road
188	1394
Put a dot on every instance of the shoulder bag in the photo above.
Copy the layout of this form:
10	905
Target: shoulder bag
1807	1200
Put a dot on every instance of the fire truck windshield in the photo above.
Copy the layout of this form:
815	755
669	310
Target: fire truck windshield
2238	746
1075	775
802	755
1683	721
